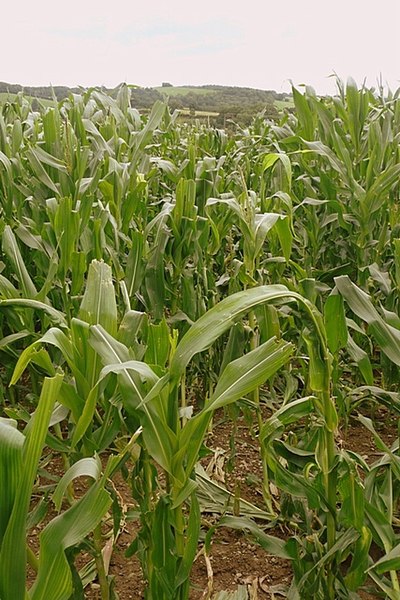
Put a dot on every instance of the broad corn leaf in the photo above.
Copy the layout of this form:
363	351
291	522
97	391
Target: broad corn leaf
335	323
98	305
13	549
54	578
11	249
220	318
11	445
387	337
248	372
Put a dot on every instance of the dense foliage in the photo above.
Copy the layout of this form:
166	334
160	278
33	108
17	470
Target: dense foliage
153	272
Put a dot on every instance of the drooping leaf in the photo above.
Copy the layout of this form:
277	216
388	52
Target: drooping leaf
222	316
360	303
248	372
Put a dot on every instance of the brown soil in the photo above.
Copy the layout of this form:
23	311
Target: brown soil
233	559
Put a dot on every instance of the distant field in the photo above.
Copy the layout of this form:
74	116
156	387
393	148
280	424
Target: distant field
182	91
5	96
281	104
199	113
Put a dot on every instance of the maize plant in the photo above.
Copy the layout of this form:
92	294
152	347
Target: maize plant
158	277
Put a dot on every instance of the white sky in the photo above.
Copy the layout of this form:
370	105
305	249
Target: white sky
254	43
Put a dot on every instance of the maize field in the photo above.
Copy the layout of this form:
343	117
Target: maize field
159	279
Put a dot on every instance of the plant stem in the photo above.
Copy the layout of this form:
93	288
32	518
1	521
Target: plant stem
179	531
329	474
101	572
254	343
183	400
70	488
32	558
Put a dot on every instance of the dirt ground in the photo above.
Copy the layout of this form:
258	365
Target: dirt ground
234	559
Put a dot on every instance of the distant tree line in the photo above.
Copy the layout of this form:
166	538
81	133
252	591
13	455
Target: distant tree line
231	103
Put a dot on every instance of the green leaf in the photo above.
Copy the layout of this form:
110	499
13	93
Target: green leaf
335	323
236	208
144	136
215	498
13	549
54	314
317	371
286	415
46	158
130	326
362	360
285	235
86	467
154	274
263	224
11	445
192	540
54	337
270	160
357	573
157	342
248	372
344	540
40	171
11	249
5	161
379	525
375	196
271	544
323	150
98	305
10	339
158	437
135	266
221	317
389	562
360	303
66	228
54	578
163	555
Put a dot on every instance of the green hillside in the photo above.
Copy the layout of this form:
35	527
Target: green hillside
218	102
182	90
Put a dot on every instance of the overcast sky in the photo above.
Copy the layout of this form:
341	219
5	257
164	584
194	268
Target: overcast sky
256	43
